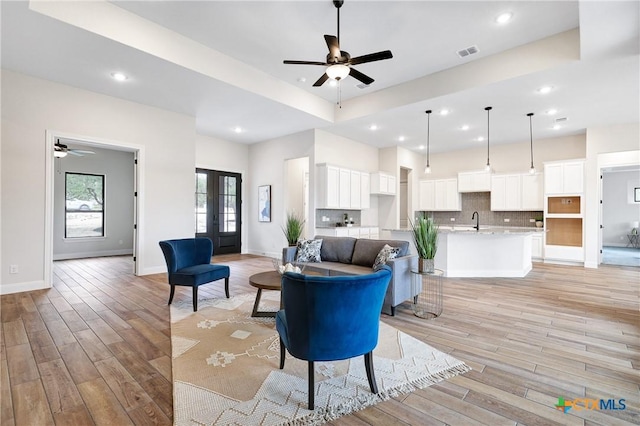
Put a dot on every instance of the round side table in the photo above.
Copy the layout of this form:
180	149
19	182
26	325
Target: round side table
427	291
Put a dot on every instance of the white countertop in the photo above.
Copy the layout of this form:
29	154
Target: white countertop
483	230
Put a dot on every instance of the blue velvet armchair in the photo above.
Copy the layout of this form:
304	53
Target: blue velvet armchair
330	318
189	264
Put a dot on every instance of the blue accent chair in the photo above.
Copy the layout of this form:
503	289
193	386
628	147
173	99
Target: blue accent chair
189	264
330	318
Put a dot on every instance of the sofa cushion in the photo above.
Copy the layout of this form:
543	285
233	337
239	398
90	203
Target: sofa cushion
337	249
365	251
309	251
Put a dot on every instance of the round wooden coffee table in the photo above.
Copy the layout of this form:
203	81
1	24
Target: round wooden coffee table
270	280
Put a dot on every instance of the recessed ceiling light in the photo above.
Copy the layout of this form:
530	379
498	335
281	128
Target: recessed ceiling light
302	80
545	89
552	111
238	129
503	18
421	147
401	138
373	127
118	76
556	127
480	138
444	111
464	127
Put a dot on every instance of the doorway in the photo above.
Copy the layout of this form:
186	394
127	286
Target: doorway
218	206
404	198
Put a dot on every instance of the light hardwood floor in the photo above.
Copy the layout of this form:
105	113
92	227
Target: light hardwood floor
96	348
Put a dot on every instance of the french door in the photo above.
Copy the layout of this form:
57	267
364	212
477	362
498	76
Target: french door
218	209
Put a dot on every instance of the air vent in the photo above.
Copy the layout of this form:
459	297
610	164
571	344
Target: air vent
468	51
561	119
362	86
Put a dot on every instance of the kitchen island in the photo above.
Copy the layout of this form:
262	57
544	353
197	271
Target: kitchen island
487	252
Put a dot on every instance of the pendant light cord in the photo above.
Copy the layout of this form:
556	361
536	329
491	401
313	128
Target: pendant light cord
531	137
488	109
428	132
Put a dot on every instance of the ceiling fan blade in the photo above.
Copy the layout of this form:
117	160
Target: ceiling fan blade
321	80
334	47
359	76
304	63
371	57
80	151
74	152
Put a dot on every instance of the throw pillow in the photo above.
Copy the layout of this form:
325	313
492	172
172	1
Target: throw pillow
309	251
387	253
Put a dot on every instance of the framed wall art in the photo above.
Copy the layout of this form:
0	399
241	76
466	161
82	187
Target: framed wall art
264	203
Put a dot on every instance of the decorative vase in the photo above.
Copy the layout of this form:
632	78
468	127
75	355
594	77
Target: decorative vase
426	265
539	224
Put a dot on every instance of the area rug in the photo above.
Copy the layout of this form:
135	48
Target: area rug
225	369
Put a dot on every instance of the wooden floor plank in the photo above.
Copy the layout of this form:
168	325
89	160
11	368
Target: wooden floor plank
95	349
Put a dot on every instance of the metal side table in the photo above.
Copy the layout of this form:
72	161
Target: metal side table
427	288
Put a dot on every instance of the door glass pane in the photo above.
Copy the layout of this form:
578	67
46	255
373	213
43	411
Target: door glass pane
227	198
201	202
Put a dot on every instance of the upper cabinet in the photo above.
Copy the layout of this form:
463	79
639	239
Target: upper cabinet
340	188
383	184
518	191
479	181
564	177
439	195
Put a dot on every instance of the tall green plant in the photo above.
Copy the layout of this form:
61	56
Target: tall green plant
293	228
425	236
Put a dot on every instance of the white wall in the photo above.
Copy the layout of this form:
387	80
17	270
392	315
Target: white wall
618	208
267	165
217	154
30	107
606	147
117	168
295	193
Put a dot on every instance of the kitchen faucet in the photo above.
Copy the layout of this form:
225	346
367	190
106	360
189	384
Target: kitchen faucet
476	216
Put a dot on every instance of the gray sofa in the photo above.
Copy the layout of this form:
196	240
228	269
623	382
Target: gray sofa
355	256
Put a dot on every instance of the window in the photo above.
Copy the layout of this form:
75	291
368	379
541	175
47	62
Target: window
84	205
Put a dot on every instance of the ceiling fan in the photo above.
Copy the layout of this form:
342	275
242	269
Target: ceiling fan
61	150
339	63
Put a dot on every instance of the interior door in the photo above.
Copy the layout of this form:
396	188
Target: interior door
218	209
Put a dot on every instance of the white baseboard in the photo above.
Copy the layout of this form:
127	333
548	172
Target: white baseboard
20	287
84	254
276	255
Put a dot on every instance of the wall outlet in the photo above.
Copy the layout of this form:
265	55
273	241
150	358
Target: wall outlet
13	269
453	219
507	220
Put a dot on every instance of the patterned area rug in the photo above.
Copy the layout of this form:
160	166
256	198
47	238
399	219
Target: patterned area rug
225	369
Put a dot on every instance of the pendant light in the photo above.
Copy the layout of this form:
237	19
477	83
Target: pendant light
427	168
532	170
488	166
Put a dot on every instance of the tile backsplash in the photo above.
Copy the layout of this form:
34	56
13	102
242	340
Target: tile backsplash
481	202
335	217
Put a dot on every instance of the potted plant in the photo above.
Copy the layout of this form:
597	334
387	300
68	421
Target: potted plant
293	228
425	237
538	220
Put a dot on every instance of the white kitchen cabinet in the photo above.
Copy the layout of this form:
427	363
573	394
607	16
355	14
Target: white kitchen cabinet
532	192
537	244
370	232
355	192
344	194
427	195
516	192
564	177
328	186
383	184
439	195
341	188
478	181
365	191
